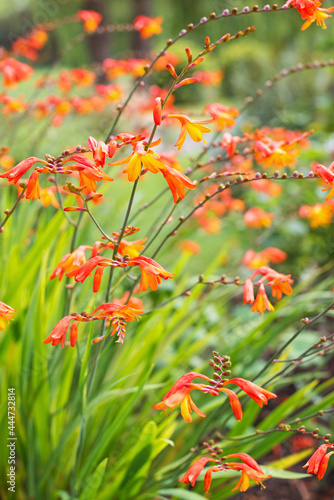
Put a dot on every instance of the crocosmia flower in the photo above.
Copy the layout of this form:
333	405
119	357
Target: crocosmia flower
90	18
14	71
247	473
327	175
180	394
195	128
70	261
147	26
140	157
192	474
151	272
311	10
6	314
318	462
224	116
256	217
249	468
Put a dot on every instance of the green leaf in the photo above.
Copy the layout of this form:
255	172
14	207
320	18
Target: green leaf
182	494
94	481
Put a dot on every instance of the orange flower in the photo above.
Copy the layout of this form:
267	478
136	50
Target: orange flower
29	45
190	247
70	261
131	248
82	272
151	272
328	176
14	71
140	157
147	26
15	173
229	143
209	78
224	116
247	474
89	173
194	471
33	189
6	314
47	197
90	18
101	150
311	11
257	393
180	394
306	8
319	16
270	254
262	302
208	477
319	214
127	311
280	283
274	255
115	312
58	333
235	403
318	462
177	182
249	467
110	92
195	129
256	217
12	105
273	153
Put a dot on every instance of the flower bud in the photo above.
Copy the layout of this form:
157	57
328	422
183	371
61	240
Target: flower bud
157	111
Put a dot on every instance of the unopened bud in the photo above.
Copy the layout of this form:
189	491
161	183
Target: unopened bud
171	70
157	111
189	54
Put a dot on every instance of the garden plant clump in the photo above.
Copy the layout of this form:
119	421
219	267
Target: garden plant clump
166	257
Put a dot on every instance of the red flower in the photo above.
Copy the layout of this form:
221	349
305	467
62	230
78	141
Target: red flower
318	462
151	272
180	394
90	18
58	333
328	176
147	26
14	71
194	471
311	11
70	261
82	272
15	173
208	476
235	403
101	150
257	393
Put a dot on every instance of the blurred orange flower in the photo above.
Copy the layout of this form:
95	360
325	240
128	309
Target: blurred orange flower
6	314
